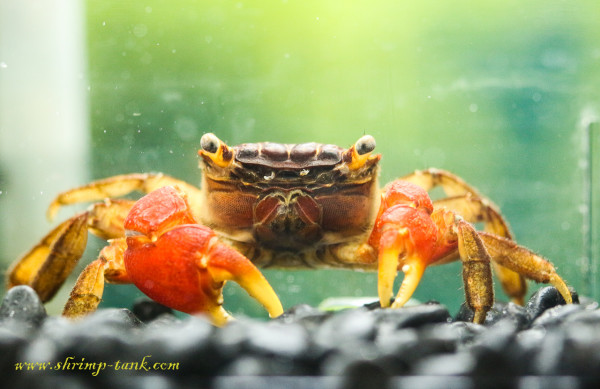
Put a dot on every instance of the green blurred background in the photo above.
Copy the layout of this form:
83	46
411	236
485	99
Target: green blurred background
500	93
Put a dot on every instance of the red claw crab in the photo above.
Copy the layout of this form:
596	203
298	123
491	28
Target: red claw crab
306	205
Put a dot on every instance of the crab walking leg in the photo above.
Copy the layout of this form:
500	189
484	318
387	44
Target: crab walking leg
477	273
47	265
519	259
467	202
475	209
119	186
87	292
430	178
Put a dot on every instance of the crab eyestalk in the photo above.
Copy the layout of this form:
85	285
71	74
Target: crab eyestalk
357	155
215	150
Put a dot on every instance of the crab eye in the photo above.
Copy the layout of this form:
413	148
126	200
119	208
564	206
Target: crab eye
210	143
365	145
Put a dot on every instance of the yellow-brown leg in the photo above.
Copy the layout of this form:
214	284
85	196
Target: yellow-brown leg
519	259
477	273
121	185
476	209
48	264
88	290
467	202
451	183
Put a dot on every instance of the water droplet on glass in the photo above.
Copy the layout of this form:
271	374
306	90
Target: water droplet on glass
3	65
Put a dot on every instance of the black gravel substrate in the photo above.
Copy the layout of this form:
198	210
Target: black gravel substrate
545	344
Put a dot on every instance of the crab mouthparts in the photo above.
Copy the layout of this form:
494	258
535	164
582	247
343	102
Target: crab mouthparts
289	219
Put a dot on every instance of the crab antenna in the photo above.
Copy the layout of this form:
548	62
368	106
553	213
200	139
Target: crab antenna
357	155
216	150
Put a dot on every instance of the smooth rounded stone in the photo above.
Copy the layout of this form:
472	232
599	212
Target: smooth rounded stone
57	327
113	319
102	347
583	316
493	349
499	311
50	380
570	352
142	381
545	298
189	342
452	335
557	315
21	309
397	342
231	340
98	334
276	339
528	346
410	345
460	363
147	310
340	361
498	336
40	349
581	351
466	332
411	317
588	303
547	361
260	365
162	322
11	346
365	374
346	326
306	315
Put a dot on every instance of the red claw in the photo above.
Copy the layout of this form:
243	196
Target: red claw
183	265
405	237
158	211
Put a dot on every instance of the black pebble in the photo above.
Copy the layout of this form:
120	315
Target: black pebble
545	298
499	311
362	347
21	309
346	326
410	317
556	315
304	314
147	310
